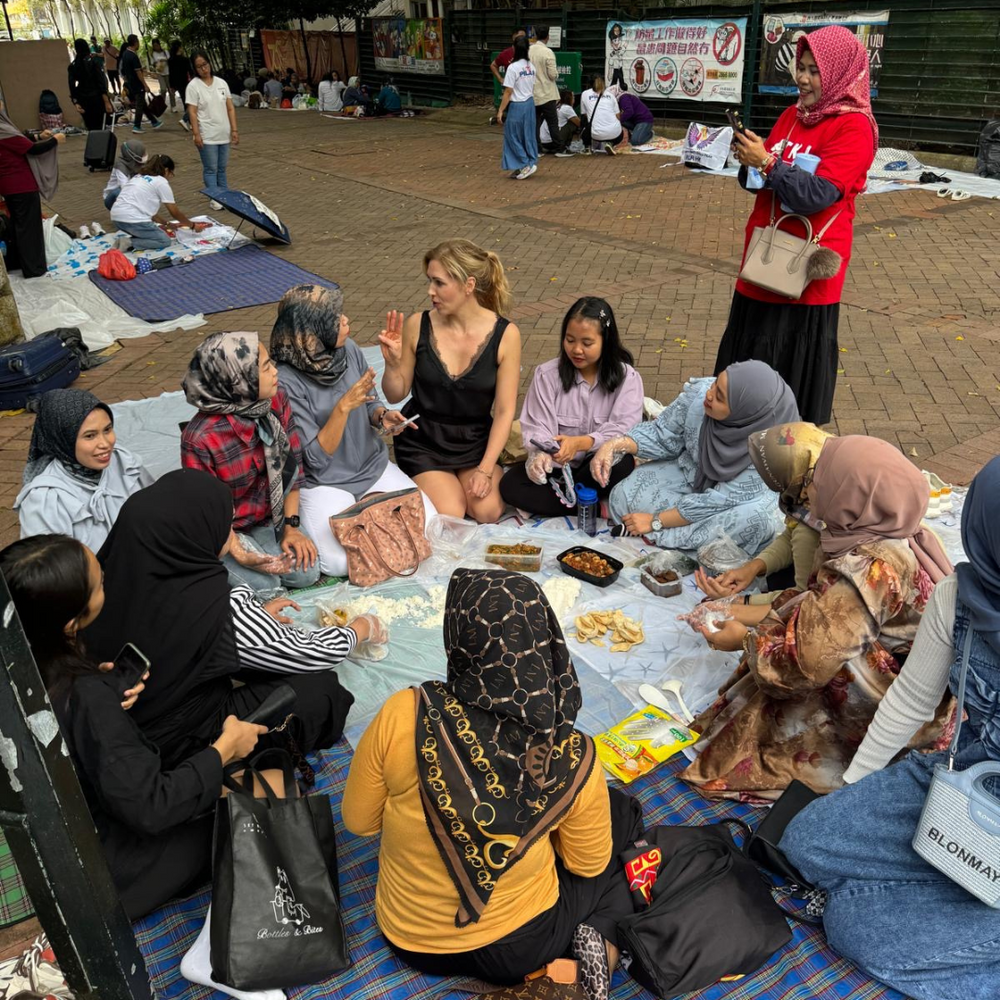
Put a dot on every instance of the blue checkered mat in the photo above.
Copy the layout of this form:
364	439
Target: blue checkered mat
805	970
230	279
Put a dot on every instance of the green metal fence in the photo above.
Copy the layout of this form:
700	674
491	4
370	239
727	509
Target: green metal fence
940	79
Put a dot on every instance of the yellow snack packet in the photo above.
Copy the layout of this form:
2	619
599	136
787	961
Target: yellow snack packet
639	742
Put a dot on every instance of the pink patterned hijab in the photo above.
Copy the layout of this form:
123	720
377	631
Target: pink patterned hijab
844	74
866	490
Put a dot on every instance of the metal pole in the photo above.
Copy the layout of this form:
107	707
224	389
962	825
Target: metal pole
752	61
52	836
6	17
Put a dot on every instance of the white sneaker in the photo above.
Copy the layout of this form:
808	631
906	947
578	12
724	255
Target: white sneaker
216	206
83	233
609	149
526	172
97	229
185	126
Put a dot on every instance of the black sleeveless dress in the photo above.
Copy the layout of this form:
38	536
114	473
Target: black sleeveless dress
455	413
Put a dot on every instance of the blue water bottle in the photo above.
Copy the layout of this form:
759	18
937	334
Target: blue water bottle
586	510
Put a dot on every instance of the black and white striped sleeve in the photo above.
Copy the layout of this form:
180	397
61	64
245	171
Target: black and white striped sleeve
265	644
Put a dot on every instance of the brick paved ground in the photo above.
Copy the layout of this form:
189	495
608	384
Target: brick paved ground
919	321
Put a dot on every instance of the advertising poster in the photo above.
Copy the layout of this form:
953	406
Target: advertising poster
408	46
782	32
694	59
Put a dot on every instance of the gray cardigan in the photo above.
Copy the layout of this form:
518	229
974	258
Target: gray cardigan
362	456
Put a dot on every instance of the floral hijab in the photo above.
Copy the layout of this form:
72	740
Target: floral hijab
498	758
223	378
785	456
306	331
844	75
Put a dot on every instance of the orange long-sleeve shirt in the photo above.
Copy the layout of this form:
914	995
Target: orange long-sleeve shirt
415	900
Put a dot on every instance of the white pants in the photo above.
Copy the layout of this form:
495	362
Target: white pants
318	503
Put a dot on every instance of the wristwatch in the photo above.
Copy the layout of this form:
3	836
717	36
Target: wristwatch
657	525
294	521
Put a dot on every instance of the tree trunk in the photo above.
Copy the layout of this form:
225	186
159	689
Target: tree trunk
305	45
343	51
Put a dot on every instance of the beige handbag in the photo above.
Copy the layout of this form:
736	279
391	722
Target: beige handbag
785	264
383	536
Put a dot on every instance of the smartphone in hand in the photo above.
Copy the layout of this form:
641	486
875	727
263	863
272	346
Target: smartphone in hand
736	122
130	666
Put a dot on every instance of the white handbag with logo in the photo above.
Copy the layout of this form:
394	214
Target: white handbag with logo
959	828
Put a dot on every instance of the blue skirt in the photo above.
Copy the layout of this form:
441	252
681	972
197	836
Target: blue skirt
520	136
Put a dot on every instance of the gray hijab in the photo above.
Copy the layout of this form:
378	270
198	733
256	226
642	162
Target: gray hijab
758	398
61	413
45	167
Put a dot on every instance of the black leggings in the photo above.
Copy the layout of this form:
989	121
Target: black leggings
29	237
519	491
601	901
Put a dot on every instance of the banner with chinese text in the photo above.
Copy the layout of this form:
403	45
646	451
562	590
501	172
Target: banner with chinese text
412	46
783	31
694	59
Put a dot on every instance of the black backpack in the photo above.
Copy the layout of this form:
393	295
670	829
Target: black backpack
988	151
48	103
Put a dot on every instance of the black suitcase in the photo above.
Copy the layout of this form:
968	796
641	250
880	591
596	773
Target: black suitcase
34	367
102	147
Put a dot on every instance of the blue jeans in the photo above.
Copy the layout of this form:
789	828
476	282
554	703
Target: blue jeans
145	235
640	133
901	920
110	198
214	160
261	537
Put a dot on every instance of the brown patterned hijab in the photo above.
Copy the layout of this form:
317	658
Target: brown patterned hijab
498	757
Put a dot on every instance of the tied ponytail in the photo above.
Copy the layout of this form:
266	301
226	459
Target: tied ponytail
463	259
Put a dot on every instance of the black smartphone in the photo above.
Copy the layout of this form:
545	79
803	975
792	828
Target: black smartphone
735	121
130	665
549	446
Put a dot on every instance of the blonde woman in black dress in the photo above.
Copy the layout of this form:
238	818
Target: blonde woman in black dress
461	360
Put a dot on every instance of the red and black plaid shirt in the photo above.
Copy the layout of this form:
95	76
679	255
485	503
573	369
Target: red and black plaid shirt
230	449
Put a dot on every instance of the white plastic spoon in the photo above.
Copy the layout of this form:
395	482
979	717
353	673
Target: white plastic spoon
655	697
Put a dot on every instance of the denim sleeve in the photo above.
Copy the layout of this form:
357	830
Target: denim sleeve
804	192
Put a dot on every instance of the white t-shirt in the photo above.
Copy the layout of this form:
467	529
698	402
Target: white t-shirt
331	95
116	181
605	124
564	113
140	199
160	63
210	104
520	77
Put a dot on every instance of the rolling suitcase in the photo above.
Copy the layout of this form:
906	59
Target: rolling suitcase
102	147
31	368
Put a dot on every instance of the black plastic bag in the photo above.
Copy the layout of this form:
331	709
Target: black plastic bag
276	918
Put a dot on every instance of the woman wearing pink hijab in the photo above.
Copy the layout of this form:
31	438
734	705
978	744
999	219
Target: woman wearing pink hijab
833	122
816	667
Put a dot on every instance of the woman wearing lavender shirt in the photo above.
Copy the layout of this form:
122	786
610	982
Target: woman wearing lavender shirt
586	396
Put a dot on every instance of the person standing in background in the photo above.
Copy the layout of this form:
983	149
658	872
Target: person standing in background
88	87
161	69
179	71
213	122
833	122
499	65
134	81
111	66
546	93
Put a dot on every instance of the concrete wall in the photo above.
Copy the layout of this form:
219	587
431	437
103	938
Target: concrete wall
26	69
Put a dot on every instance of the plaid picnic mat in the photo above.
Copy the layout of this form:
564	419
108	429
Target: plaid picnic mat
805	970
14	902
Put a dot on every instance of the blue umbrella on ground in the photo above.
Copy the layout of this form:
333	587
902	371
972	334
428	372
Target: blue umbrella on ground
252	210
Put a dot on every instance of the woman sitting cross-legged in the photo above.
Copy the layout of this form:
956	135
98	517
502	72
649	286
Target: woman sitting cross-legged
462	361
856	844
167	592
815	669
785	456
500	840
700	482
588	395
76	477
245	435
332	394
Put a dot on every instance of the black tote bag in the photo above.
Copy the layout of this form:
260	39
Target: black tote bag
276	918
711	914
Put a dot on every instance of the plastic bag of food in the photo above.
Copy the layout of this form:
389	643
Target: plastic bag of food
709	615
670	559
641	741
720	555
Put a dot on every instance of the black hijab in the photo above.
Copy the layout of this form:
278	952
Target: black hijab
498	757
61	413
166	591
